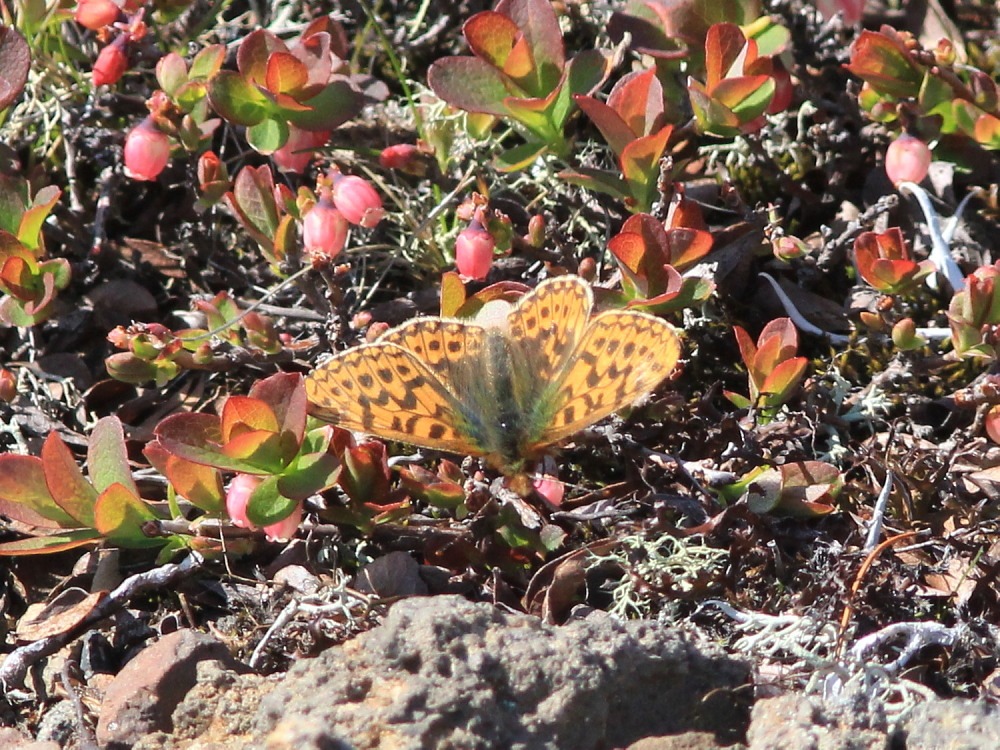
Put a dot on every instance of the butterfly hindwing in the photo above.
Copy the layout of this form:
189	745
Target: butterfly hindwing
382	389
445	346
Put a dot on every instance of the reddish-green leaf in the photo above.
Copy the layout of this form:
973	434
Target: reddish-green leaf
15	62
65	481
987	131
725	45
470	84
614	129
687	246
254	192
198	438
537	20
254	51
50	544
30	229
314	52
638	99
746	96
236	99
285	396
785	377
199	484
884	63
25	496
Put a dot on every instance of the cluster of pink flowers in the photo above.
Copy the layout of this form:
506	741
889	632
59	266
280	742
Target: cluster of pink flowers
105	17
343	200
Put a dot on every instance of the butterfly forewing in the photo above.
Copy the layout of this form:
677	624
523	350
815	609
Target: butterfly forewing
384	390
622	356
544	330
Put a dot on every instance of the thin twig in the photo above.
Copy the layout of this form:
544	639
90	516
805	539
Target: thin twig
845	619
17	663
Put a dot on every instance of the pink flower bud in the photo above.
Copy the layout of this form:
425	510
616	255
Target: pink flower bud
111	63
147	151
357	200
474	251
403	156
8	385
550	488
907	159
299	149
238	497
324	229
96	14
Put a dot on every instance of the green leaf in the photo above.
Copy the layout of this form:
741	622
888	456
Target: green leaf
107	457
267	505
119	515
171	73
333	106
520	157
310	474
208	61
237	100
267	136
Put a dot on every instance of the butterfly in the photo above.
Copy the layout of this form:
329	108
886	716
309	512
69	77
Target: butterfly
505	385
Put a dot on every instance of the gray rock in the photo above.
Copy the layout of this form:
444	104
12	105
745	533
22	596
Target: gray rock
794	721
59	724
953	725
446	673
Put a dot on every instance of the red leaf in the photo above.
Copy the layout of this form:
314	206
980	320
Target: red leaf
285	73
638	100
491	37
255	49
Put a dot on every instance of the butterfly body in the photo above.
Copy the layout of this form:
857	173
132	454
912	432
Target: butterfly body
505	388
